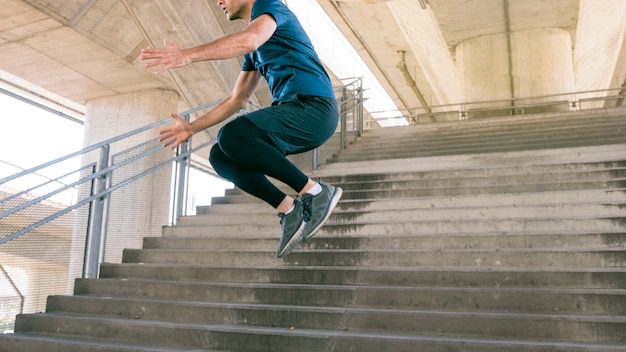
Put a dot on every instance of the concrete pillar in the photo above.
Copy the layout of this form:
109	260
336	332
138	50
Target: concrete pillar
516	65
111	116
139	209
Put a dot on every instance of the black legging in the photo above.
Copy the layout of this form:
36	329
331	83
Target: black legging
245	153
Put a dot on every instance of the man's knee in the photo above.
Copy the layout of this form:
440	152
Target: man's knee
230	136
217	159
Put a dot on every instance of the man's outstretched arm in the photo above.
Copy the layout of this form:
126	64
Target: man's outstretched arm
233	45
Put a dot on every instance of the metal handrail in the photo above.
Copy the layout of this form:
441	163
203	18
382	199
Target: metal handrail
103	143
511	102
28	190
101	170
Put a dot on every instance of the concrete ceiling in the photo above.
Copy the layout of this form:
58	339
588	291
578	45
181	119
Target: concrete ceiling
81	50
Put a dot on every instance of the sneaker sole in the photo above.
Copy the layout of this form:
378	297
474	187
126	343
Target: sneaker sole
333	203
292	242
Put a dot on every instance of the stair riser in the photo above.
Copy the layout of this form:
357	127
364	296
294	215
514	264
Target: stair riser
466	145
129	331
515	226
469	201
509	258
408	155
396	320
417	242
359	276
573	129
462	180
452	191
286	342
289	341
444	299
25	343
433	214
476	129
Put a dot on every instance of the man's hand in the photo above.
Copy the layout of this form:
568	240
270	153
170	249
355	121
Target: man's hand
177	134
169	57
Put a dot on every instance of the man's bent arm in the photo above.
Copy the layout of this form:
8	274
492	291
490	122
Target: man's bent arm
244	87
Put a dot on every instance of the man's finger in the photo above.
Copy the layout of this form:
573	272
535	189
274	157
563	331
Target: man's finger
148	54
169	44
150	64
177	117
164	138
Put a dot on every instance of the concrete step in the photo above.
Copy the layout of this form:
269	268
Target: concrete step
464	201
438	276
503	145
92	310
451	190
290	339
579	155
294	297
451	181
470	142
543	174
609	257
476	135
514	140
433	242
541	178
517	123
512	126
429	214
534	173
31	342
545	225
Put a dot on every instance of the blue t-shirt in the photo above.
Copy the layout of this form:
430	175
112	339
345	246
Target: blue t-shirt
287	60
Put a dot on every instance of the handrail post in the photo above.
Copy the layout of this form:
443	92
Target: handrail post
359	111
342	115
94	242
182	176
316	158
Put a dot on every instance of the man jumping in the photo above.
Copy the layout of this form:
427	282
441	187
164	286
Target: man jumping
302	117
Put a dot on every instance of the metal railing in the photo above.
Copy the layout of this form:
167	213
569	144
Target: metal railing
351	112
62	219
574	101
53	222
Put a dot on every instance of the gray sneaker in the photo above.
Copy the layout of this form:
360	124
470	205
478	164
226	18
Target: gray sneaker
292	228
317	209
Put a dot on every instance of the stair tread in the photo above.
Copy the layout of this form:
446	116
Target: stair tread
347	287
51	342
295	332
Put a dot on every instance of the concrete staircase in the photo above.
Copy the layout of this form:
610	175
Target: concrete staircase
529	132
510	246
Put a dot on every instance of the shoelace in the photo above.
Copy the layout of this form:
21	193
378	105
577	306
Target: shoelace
306	209
282	217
